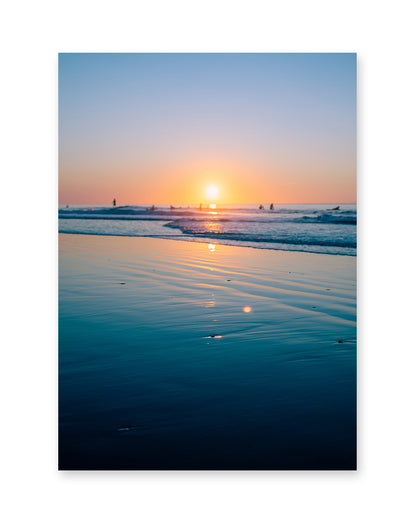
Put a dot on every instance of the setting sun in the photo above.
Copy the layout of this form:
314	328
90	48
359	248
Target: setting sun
212	192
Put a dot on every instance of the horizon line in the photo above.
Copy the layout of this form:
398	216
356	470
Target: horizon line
194	203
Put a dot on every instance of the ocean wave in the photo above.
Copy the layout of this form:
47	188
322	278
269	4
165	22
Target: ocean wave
181	216
122	212
329	219
115	211
241	237
308	228
90	216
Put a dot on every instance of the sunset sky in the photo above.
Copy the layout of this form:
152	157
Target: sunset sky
161	128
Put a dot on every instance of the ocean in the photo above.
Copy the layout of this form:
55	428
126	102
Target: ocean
314	228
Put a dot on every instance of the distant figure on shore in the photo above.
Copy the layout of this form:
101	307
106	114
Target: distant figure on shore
272	206
200	207
114	202
261	206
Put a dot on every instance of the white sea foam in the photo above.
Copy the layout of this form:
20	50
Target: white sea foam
319	228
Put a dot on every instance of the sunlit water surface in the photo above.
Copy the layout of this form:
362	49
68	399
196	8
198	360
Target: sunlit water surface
313	228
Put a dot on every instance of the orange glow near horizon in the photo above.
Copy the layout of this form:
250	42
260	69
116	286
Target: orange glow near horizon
234	184
212	133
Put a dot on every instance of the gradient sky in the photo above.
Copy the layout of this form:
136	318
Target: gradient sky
160	128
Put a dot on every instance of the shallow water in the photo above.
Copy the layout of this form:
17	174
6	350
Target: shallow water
314	228
161	367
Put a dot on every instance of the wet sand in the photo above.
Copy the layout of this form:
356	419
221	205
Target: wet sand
180	355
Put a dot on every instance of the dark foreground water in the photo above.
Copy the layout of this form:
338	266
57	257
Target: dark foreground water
161	368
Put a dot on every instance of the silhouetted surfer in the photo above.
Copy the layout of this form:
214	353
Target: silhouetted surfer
272	206
261	206
114	202
200	207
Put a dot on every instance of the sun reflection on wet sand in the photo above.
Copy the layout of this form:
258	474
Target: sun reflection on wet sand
181	356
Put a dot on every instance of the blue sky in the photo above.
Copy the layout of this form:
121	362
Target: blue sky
159	127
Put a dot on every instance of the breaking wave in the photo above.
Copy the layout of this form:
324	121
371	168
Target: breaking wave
313	228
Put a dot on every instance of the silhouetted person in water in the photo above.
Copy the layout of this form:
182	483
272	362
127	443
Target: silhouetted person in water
272	206
261	206
114	202
200	207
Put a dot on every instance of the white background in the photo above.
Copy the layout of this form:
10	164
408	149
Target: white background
382	33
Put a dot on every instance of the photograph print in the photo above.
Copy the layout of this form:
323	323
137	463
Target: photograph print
207	261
